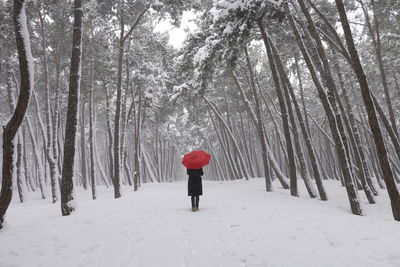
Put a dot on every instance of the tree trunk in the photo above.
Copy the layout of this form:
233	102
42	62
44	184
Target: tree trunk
26	70
91	117
109	131
372	117
37	158
48	146
67	183
267	155
136	156
355	137
282	105
376	40
341	154
83	146
117	121
19	169
289	90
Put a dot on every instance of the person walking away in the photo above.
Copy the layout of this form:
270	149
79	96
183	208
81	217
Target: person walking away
195	187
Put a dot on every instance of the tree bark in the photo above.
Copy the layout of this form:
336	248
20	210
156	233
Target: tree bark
341	154
109	131
372	117
376	40
267	155
83	146
92	116
48	146
117	121
26	70
284	114
137	152
67	183
289	91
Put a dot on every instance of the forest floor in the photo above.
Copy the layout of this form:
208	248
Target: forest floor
238	224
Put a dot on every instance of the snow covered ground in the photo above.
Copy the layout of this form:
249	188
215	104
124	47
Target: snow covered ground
238	224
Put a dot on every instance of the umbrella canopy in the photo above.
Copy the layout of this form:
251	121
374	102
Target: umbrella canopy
196	159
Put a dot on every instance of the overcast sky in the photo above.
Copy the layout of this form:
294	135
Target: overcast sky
177	35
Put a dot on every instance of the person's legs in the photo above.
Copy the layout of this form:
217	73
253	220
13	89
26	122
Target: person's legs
197	202
193	202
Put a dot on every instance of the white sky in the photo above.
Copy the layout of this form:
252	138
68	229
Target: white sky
177	35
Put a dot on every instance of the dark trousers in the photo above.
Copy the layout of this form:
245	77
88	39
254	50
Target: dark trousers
195	201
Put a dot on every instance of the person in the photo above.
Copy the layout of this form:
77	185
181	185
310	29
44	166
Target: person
195	188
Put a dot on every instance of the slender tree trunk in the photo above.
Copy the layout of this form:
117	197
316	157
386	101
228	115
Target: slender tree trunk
109	131
389	128
288	89
355	137
56	115
92	116
341	153
376	40
67	183
246	147
227	162
302	94
36	154
28	175
83	146
322	64
266	152
138	125
282	105
48	146
117	121
100	167
372	117
19	170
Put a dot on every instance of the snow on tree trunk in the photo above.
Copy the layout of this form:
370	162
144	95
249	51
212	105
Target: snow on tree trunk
83	146
341	154
267	154
284	114
36	154
67	183
92	117
286	85
27	83
48	146
372	117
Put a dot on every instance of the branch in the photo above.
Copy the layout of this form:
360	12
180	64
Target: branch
134	25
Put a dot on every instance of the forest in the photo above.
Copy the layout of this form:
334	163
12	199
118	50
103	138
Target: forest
295	93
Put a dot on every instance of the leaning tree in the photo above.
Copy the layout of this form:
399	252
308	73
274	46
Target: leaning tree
10	130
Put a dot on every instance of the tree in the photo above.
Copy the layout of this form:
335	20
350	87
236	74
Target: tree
117	124
27	82
372	117
67	184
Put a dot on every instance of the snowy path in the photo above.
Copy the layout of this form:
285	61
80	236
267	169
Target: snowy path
239	224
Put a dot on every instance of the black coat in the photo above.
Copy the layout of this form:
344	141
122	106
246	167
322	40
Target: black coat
195	187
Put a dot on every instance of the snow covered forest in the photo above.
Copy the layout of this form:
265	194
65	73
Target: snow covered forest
299	99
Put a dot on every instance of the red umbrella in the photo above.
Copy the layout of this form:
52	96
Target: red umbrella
196	159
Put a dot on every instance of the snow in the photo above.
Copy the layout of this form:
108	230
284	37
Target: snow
239	224
223	8
204	52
